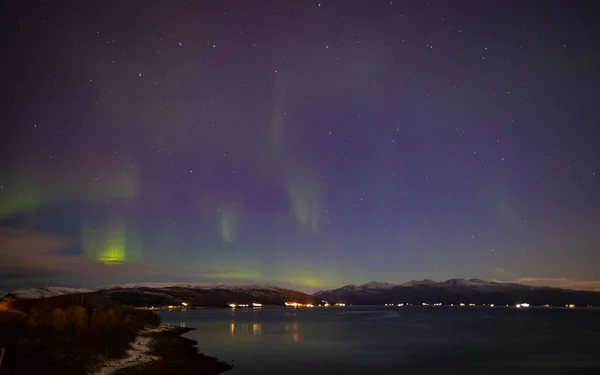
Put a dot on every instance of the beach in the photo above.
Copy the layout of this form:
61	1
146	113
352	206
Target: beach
163	351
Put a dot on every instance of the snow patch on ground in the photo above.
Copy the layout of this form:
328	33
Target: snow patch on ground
138	354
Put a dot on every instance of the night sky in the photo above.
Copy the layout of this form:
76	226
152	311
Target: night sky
302	143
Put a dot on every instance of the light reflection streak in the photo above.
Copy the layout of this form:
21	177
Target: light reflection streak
244	328
292	331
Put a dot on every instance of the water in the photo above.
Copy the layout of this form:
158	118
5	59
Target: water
413	340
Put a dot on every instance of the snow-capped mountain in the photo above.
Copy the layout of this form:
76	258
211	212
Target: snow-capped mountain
377	285
372	286
163	294
53	291
50	291
455	291
418	282
191	286
372	293
472	283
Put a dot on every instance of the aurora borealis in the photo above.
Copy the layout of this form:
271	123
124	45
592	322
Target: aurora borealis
310	144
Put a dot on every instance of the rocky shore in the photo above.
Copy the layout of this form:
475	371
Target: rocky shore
173	354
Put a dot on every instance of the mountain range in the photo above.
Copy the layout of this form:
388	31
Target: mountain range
456	291
159	294
453	291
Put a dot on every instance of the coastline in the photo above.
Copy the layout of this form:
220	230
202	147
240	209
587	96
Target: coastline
163	351
138	354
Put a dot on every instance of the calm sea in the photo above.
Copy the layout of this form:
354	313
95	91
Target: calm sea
402	340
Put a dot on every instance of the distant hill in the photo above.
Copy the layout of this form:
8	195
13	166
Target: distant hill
456	291
50	291
453	291
162	294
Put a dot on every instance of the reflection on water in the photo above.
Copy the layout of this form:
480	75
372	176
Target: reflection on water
292	332
256	329
243	329
375	341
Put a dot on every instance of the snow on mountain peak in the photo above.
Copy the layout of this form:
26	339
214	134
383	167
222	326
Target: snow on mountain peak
57	291
467	283
377	285
419	282
457	282
50	291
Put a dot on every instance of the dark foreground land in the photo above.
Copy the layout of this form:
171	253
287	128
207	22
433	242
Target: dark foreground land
178	355
62	337
67	341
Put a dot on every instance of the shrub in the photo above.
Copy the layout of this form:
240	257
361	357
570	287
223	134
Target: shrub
78	317
11	327
67	340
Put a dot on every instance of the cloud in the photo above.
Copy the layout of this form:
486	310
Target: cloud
499	270
27	255
561	282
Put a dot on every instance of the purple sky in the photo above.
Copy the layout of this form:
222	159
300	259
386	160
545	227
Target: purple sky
300	143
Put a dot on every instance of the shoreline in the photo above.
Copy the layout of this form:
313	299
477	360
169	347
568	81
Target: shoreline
138	354
163	351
